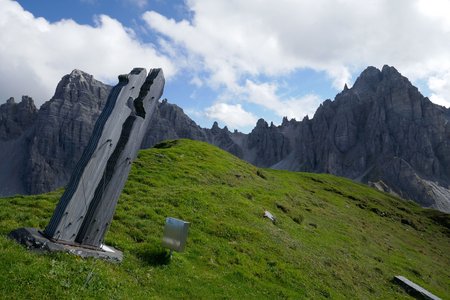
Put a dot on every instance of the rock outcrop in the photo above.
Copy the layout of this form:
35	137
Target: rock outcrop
16	118
16	127
170	122
62	130
381	131
266	145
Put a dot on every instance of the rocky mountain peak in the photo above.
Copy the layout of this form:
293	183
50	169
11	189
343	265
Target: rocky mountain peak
261	124
28	102
286	122
170	122
78	72
368	79
15	118
215	129
346	87
371	78
389	72
25	105
62	130
217	132
72	86
78	75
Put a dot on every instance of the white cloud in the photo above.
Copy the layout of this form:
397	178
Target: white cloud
439	9
233	116
340	76
235	40
35	54
196	81
440	85
265	94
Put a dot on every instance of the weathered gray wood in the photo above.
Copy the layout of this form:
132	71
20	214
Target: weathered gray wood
87	206
414	289
102	207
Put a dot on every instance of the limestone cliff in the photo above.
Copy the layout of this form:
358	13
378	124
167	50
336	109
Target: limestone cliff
16	118
380	130
16	128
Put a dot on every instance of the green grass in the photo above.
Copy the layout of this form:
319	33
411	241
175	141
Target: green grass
333	238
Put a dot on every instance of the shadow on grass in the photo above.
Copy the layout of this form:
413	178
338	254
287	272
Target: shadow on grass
155	256
166	144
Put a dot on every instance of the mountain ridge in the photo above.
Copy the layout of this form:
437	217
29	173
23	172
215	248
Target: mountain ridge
381	131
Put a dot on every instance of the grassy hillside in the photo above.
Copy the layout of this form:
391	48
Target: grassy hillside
333	238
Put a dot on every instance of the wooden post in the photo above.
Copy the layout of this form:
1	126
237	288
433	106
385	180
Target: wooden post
85	210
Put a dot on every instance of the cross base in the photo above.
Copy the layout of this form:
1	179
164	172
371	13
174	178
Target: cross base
34	240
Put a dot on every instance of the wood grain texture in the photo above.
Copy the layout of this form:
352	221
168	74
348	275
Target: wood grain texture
87	206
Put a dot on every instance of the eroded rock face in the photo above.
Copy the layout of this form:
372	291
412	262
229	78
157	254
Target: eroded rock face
16	128
382	129
170	122
62	130
223	138
266	145
16	118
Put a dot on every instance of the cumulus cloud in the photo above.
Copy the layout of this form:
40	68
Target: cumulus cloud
265	94
440	86
35	53
232	115
236	40
436	9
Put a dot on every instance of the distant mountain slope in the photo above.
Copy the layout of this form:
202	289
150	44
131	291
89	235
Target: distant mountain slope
381	131
333	238
62	130
16	129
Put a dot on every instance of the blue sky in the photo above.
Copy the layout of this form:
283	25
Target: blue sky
229	61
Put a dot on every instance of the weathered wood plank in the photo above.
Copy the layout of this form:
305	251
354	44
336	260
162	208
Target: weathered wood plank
414	290
87	206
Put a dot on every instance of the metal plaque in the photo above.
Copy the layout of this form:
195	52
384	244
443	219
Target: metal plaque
175	234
